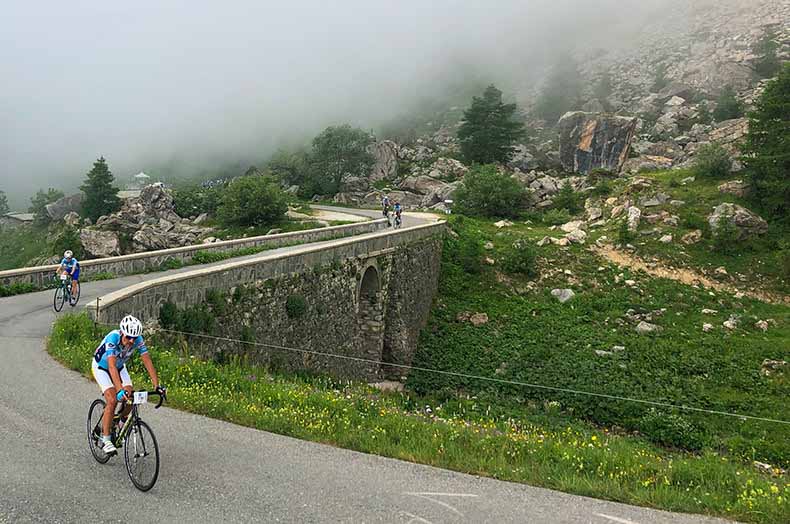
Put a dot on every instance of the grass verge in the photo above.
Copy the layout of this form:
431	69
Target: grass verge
462	436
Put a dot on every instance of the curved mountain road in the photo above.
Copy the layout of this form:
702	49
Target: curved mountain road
214	471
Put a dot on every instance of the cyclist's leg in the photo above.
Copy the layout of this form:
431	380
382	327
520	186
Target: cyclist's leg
108	391
74	279
126	382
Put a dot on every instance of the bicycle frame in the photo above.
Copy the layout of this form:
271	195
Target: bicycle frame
133	418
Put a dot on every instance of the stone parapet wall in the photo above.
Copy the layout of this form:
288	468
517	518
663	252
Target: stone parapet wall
40	276
346	310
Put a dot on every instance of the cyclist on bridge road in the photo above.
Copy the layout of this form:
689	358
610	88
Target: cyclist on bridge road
70	265
109	370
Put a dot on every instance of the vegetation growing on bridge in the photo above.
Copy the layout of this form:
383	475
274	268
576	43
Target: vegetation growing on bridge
465	434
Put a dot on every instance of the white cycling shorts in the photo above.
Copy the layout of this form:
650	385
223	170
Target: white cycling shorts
103	377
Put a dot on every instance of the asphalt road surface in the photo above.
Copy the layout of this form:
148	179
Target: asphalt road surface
213	471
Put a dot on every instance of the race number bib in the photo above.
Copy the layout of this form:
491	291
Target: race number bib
140	397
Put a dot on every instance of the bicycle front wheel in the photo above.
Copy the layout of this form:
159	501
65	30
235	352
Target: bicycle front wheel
60	298
95	414
141	453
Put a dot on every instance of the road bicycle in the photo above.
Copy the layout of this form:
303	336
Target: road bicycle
140	449
398	221
63	293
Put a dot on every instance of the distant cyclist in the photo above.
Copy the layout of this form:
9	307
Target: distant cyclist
398	210
385	205
70	266
109	370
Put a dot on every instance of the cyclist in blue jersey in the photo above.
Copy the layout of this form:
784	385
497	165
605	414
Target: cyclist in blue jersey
109	370
70	265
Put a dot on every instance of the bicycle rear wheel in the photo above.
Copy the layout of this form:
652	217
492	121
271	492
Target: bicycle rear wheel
74	298
60	298
141	454
95	414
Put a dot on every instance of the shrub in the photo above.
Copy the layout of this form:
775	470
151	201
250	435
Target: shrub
252	201
671	430
521	259
712	161
624	234
168	315
487	192
194	200
465	249
69	238
728	107
171	263
569	199
195	319
725	237
598	174
556	217
216	299
295	306
603	188
17	288
660	81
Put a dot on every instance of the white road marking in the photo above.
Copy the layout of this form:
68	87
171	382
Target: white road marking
415	518
430	496
615	519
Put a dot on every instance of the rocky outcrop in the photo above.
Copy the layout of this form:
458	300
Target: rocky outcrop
738	188
63	206
150	220
594	140
745	223
100	244
386	155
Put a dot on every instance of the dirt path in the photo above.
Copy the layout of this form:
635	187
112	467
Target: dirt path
684	275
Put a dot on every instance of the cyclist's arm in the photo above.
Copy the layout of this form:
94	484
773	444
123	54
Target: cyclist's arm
149	367
115	376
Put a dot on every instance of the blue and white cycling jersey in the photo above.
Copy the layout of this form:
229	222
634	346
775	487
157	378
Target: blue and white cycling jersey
111	346
69	264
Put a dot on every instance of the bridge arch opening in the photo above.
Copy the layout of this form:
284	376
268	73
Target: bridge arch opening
369	287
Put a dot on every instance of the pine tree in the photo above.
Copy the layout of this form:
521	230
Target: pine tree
101	196
767	148
489	131
3	203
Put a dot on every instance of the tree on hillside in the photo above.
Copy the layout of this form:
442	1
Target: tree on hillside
660	81
603	89
768	63
562	91
101	196
767	148
3	203
489	130
727	106
291	168
488	192
38	204
252	201
339	151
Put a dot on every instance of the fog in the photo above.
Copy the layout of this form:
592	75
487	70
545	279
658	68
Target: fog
185	87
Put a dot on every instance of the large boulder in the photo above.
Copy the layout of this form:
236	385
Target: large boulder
63	206
448	169
100	244
354	184
386	155
594	140
157	202
421	184
746	223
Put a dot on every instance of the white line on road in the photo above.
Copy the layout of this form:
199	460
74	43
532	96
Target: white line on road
615	519
430	495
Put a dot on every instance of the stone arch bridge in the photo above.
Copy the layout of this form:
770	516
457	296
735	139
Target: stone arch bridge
365	298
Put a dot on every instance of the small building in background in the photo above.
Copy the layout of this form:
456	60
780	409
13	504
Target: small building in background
139	181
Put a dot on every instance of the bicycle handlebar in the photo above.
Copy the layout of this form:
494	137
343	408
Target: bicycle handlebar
162	397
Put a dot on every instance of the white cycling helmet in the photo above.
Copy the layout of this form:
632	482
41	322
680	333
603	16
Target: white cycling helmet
68	254
131	327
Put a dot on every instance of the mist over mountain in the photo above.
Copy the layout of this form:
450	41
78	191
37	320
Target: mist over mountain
183	88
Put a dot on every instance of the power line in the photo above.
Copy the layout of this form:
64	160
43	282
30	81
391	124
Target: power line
487	379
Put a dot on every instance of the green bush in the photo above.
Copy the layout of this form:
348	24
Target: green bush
567	198
464	249
194	200
69	238
171	263
252	201
18	288
671	430
487	192
556	217
521	258
725	238
168	315
195	319
624	234
603	188
728	106
712	161
598	174
295	306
